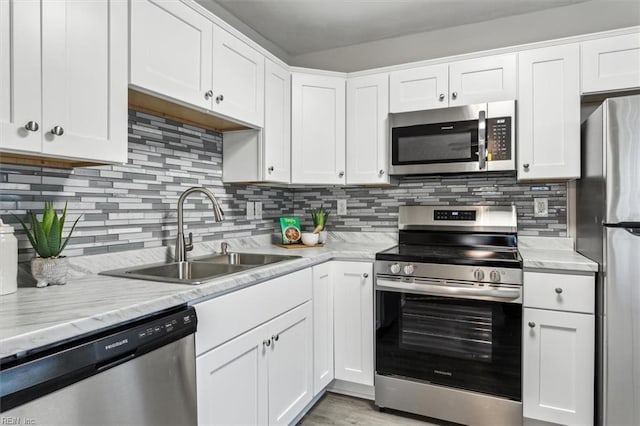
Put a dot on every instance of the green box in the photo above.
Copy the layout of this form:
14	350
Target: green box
290	227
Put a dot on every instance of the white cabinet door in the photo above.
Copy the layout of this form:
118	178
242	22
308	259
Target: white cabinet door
20	68
488	79
171	51
367	129
419	88
290	364
232	381
277	123
317	129
353	322
611	63
238	79
549	113
322	327
558	373
84	79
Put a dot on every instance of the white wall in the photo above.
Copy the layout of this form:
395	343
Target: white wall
581	18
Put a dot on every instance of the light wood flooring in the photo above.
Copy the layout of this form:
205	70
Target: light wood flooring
342	410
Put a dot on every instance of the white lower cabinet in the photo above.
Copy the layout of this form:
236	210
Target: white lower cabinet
255	353
322	327
558	350
353	322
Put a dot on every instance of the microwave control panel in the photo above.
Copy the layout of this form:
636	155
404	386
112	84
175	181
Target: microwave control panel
499	139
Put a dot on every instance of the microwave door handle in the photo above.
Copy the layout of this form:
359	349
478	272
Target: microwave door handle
482	134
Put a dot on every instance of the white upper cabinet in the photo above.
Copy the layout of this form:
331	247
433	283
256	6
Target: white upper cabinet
317	129
419	88
472	81
549	113
238	79
611	63
277	123
367	129
80	111
171	51
488	79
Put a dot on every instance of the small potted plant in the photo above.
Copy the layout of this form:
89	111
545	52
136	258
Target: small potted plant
319	217
45	236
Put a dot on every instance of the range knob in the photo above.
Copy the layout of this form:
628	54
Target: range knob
395	268
495	276
478	274
408	269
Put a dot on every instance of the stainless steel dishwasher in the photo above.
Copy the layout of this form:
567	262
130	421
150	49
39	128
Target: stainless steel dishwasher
139	373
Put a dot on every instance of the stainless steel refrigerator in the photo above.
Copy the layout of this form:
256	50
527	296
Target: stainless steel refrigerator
608	232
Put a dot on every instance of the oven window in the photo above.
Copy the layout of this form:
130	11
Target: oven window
435	143
461	343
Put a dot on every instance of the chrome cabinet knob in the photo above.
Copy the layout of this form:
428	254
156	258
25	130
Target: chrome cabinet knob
441	97
275	337
57	130
478	274
454	95
408	269
494	276
381	172
32	126
219	98
271	169
558	290
395	268
365	275
532	324
208	94
266	342
341	174
525	166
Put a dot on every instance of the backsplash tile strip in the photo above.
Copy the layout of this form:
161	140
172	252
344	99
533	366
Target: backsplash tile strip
133	206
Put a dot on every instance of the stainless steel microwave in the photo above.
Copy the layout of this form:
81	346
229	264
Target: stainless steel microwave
471	138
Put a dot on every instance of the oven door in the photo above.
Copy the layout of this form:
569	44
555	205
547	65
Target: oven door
459	336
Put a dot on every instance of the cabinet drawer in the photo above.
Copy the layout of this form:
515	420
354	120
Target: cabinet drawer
230	315
573	293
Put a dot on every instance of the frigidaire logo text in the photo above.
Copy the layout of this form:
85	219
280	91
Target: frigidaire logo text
116	344
444	373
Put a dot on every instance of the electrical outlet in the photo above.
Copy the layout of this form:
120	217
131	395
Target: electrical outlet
342	207
251	213
258	209
540	207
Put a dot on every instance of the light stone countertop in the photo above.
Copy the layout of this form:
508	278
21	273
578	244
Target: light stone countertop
36	317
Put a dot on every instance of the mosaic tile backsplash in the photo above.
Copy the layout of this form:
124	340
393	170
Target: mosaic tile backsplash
133	206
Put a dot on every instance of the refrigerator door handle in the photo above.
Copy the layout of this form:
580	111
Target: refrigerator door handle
634	231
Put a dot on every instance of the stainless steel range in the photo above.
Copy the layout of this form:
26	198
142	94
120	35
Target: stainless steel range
449	316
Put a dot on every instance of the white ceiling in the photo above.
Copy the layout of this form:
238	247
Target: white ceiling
302	26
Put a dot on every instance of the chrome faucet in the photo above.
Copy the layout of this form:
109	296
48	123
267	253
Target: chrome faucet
183	247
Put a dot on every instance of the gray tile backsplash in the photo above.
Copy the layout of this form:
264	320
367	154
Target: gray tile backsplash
133	205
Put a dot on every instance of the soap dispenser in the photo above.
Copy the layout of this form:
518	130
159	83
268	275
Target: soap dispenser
8	260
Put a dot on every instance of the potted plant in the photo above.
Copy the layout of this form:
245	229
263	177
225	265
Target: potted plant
319	217
45	236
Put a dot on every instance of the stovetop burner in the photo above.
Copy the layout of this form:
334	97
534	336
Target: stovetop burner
455	255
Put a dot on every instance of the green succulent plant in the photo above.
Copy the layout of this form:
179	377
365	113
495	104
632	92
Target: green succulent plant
46	236
319	216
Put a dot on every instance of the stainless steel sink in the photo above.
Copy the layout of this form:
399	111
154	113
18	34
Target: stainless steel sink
245	259
199	270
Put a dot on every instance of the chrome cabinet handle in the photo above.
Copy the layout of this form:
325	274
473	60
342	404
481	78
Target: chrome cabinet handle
208	94
365	275
266	342
525	166
454	95
441	97
381	172
482	134
32	126
275	337
57	130
341	174
271	169
219	98
532	324
558	290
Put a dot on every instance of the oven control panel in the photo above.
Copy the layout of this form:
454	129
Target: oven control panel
454	215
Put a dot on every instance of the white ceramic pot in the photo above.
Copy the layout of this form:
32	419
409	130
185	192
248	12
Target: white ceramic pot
310	239
50	270
323	237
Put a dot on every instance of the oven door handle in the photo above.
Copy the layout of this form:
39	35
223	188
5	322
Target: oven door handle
444	290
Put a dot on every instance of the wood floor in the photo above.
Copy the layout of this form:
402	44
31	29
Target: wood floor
341	410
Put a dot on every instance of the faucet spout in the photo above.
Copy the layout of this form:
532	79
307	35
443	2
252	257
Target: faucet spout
181	245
